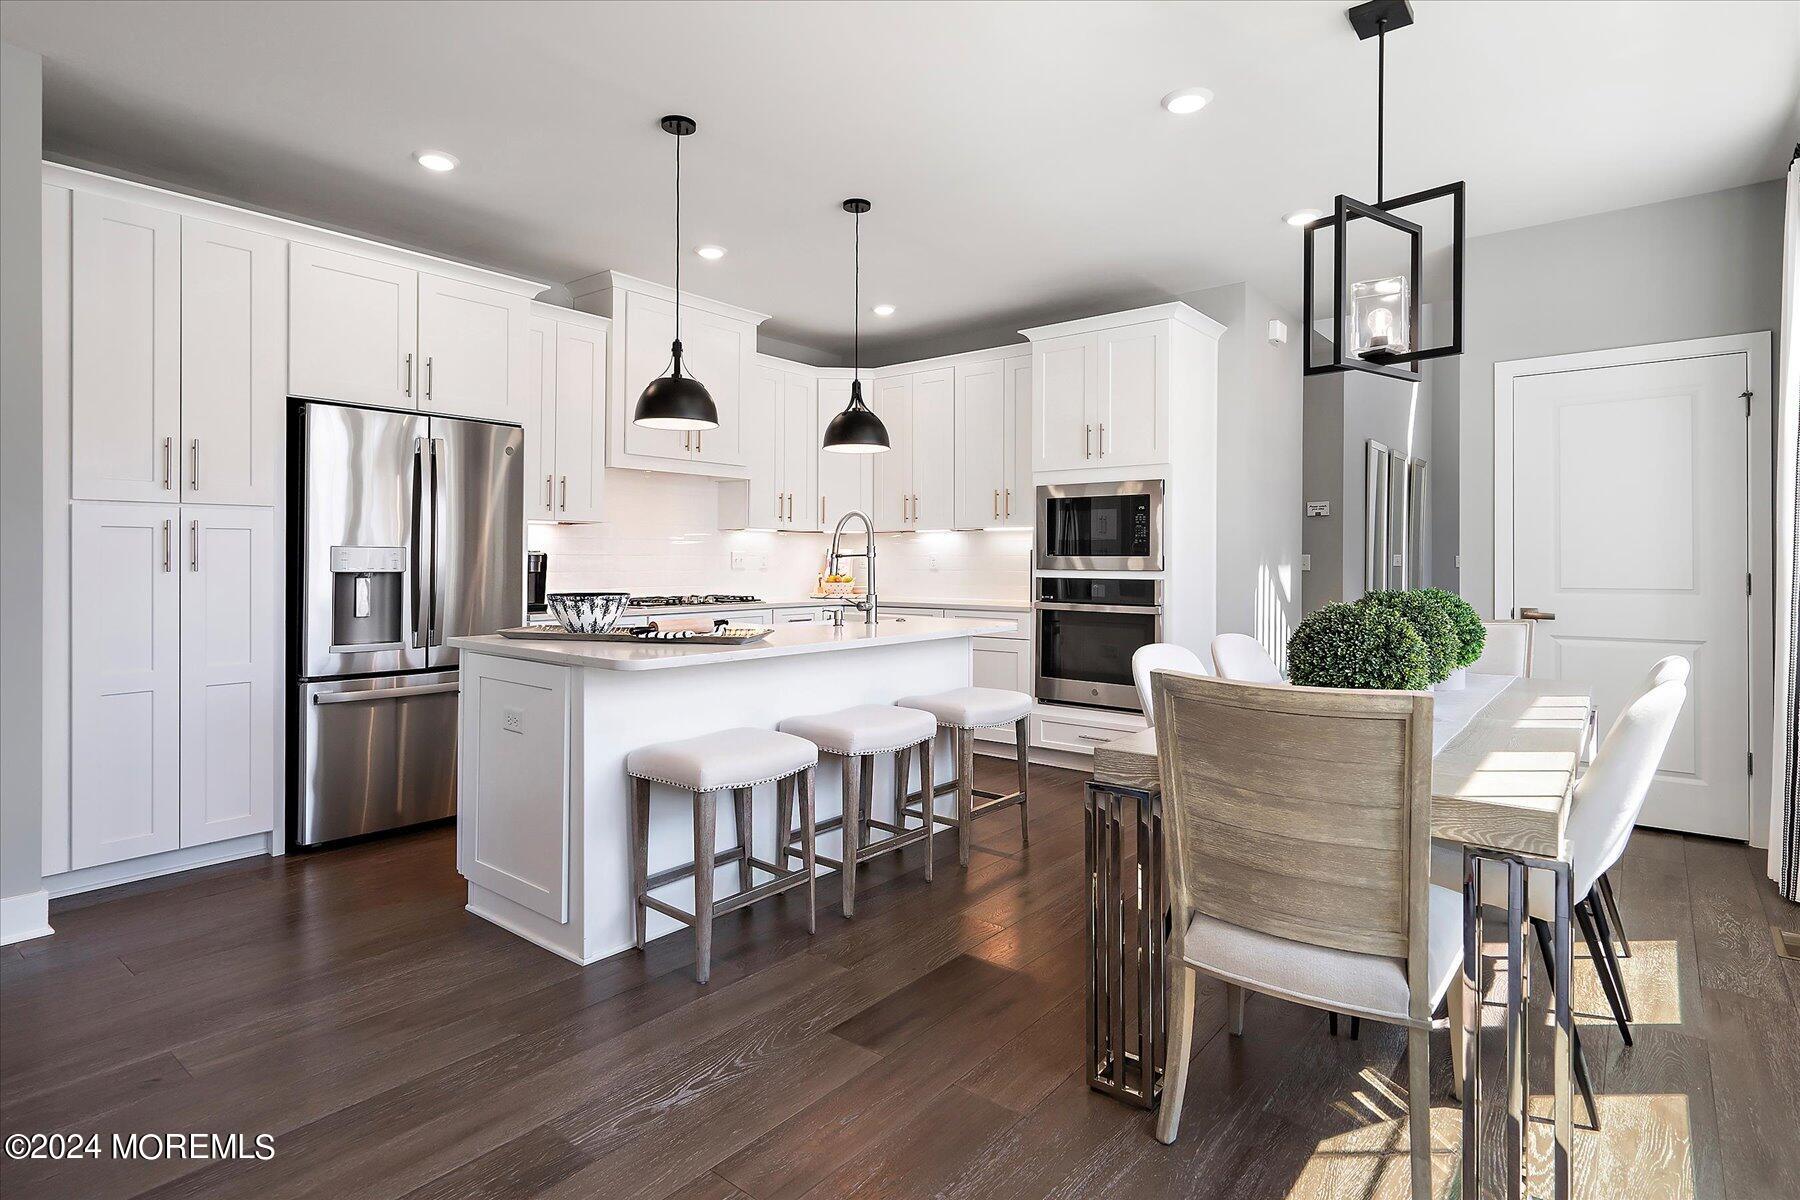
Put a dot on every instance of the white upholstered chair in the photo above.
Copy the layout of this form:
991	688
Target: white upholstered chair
1337	923
1160	656
1241	658
1508	649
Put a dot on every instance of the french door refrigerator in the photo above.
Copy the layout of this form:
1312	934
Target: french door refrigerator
404	530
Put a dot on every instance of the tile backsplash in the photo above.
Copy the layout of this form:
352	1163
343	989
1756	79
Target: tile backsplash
662	536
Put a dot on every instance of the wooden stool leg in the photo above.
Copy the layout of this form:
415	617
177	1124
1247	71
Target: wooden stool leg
784	819
1022	742
808	849
964	741
640	856
900	786
740	798
852	830
865	798
705	830
925	789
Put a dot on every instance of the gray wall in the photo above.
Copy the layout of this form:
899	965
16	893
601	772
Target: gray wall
21	473
1696	267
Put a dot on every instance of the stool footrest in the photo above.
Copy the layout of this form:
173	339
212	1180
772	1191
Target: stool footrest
762	891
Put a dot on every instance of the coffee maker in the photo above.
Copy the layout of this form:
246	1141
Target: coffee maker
537	571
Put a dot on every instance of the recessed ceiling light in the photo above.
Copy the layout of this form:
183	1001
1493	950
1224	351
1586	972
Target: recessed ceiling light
436	160
710	253
1187	100
883	310
1302	216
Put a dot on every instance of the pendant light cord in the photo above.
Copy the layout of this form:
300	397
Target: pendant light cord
856	313
1380	108
678	245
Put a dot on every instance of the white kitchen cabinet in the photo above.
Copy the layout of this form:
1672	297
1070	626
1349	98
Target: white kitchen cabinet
353	328
540	422
472	341
1102	389
125	367
844	479
984	443
1130	411
781	452
892	483
798	448
716	350
229	673
1001	662
1066	376
581	375
933	446
233	363
1016	496
719	352
124	682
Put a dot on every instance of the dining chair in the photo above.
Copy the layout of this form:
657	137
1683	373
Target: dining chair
1508	649
1298	822
1240	657
1161	656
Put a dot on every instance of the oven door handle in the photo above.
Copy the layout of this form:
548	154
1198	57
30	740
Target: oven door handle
1149	610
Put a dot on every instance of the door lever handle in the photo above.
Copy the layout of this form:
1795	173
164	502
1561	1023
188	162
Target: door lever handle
1535	614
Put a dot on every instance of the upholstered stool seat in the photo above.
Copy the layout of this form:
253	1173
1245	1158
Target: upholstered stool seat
734	760
962	711
857	735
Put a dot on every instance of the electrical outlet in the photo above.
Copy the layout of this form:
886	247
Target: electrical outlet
1306	562
740	560
513	720
931	562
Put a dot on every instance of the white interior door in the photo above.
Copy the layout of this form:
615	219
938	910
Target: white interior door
1629	516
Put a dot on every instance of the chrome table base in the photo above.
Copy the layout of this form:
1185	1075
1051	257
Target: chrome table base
1127	929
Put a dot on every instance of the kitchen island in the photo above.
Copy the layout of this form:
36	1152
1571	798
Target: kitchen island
542	826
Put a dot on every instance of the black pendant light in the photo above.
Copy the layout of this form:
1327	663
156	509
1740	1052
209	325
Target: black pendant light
1375	322
675	400
856	430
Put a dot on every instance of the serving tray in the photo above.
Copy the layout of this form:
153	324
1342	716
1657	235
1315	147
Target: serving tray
554	633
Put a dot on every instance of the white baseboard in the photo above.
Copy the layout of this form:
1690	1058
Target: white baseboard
25	917
88	879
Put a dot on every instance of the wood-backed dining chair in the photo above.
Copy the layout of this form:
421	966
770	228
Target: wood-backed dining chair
1299	829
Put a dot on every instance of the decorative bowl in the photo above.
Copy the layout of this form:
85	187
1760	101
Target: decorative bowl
841	590
587	612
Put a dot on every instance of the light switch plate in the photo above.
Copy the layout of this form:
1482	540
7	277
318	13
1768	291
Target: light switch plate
1306	562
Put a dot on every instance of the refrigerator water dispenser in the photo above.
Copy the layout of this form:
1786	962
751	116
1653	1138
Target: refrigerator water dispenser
365	597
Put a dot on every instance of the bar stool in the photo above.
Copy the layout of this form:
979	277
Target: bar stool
857	735
734	760
963	711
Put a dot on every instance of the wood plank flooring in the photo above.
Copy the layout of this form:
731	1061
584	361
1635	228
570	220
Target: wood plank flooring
395	1046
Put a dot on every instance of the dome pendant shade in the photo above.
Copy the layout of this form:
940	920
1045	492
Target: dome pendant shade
676	401
856	430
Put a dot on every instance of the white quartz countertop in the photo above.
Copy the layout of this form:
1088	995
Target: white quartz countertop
989	605
784	640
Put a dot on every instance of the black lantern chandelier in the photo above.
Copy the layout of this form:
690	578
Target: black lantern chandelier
856	430
1375	321
674	400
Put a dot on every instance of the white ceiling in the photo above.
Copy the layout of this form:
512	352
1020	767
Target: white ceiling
1019	162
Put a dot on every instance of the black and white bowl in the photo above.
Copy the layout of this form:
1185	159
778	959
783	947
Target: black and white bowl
587	612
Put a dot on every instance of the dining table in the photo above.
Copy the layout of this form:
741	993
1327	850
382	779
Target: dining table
1505	753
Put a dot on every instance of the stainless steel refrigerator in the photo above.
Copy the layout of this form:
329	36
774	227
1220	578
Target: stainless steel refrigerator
404	530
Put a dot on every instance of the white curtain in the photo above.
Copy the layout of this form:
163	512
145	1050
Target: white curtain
1784	809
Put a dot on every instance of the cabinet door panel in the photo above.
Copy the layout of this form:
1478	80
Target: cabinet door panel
934	449
799	451
720	353
649	332
892	468
1000	663
581	374
233	362
125	383
843	478
540	424
125	681
1065	380
763	407
1016	492
353	327
228	673
1129	418
473	341
982	443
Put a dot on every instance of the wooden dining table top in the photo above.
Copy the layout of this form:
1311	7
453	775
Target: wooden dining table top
1504	754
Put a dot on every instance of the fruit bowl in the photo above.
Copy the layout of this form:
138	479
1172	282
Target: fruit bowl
587	612
843	590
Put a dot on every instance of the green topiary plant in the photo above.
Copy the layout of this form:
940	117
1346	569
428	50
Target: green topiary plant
1426	616
1351	646
1471	634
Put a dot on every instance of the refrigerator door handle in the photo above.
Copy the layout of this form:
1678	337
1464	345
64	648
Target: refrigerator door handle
438	453
417	567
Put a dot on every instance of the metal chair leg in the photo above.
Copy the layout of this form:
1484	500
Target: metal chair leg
1612	908
1590	933
1604	926
1581	1067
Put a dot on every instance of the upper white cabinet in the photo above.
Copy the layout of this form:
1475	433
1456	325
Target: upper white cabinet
473	343
565	423
233	363
993	446
229	672
1105	387
844	479
779	439
353	328
933	445
719	349
892	500
125	363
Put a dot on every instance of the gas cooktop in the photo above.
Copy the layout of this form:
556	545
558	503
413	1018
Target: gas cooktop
690	601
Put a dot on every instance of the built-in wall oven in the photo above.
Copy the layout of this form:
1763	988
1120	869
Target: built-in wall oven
1100	526
1087	631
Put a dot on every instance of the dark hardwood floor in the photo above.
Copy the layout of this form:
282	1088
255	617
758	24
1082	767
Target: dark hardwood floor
395	1046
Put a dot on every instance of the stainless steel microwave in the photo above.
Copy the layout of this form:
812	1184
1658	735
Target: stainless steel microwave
1100	526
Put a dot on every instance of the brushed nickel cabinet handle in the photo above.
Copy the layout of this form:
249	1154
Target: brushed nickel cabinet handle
699	442
1087	441
1009	502
564	505
409	375
194	453
549	491
821	510
1103	439
168	463
428	378
168	550
996	503
193	545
